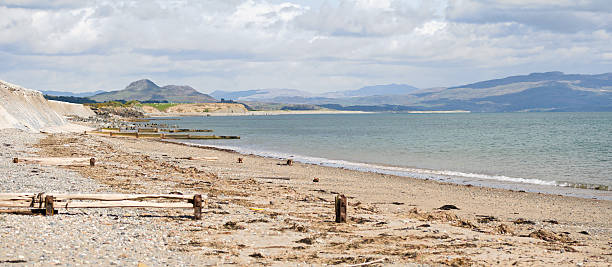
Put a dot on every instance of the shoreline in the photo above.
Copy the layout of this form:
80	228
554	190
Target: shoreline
263	212
291	112
425	174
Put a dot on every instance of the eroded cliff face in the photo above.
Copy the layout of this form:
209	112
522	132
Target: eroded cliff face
28	110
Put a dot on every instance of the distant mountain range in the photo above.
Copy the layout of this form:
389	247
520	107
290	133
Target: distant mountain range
60	93
146	90
549	91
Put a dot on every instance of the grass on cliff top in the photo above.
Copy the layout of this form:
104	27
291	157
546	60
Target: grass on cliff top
160	106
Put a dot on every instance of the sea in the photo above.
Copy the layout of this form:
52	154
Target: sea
559	153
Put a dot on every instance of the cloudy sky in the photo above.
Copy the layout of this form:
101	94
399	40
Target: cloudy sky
317	45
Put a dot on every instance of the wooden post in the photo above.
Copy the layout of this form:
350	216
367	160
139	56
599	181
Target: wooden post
15	160
239	160
197	207
340	208
110	134
92	162
289	162
49	206
136	134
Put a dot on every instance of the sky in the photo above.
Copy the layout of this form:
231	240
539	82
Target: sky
315	46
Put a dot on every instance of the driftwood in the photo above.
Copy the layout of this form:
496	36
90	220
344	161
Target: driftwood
49	202
203	158
58	161
367	263
274	178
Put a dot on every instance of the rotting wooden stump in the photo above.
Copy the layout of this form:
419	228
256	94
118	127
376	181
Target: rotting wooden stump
239	160
340	208
47	203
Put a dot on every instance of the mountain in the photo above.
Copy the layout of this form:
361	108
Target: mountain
547	91
375	90
60	93
146	90
263	95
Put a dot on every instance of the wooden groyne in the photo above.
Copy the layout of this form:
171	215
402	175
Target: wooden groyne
48	203
163	135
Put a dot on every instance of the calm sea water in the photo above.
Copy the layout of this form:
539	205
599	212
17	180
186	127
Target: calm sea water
528	151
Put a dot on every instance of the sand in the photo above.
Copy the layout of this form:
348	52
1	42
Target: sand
262	212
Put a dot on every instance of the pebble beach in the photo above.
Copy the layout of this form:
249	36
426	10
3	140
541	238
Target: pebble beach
264	212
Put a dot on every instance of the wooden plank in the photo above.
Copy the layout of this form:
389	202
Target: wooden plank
274	178
123	204
16	196
58	161
15	204
203	158
119	197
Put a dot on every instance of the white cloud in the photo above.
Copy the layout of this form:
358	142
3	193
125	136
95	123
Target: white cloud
335	45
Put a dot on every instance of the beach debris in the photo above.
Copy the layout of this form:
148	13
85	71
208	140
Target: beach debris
240	160
423	225
369	262
307	241
315	180
504	229
256	255
289	162
584	232
397	203
549	236
340	207
58	161
524	221
551	221
485	218
233	225
448	207
274	178
46	203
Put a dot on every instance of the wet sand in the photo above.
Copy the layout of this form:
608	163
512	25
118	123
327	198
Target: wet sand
262	212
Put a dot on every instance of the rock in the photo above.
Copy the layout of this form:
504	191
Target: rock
315	180
448	207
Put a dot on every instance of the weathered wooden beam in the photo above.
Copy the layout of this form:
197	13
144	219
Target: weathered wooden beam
58	161
118	197
340	208
124	204
197	207
15	203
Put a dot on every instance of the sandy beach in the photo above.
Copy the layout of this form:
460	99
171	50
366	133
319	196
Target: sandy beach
263	212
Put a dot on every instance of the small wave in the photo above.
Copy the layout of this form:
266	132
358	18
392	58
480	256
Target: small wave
440	175
599	187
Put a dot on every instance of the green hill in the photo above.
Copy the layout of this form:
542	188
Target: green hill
146	90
